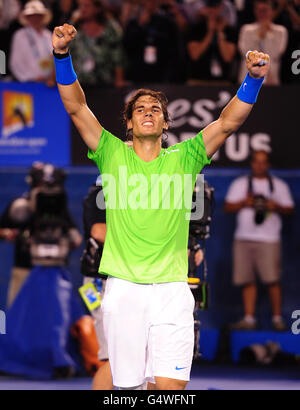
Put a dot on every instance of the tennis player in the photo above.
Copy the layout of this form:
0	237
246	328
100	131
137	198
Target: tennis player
148	306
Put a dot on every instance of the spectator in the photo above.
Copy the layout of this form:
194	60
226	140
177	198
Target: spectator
97	52
211	45
130	10
266	36
287	13
9	11
259	200
228	10
151	42
114	7
176	12
61	9
244	10
31	51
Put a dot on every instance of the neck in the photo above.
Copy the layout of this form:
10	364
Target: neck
147	148
37	29
261	176
266	23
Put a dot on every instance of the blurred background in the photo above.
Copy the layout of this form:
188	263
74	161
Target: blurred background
194	51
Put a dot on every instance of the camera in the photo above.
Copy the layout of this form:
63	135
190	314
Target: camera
90	260
48	234
199	230
259	205
200	227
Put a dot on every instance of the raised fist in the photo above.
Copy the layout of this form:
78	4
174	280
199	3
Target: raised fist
258	64
62	37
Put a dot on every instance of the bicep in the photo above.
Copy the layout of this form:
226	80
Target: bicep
98	231
213	137
232	116
85	121
88	126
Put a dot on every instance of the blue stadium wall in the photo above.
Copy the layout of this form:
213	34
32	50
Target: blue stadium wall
225	303
48	136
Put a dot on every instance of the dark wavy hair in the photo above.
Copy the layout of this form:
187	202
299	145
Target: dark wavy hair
101	16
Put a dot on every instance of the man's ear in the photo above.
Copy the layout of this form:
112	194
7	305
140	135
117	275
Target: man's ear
129	124
166	126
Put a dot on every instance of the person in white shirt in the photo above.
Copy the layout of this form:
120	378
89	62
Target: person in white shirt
259	200
266	36
31	52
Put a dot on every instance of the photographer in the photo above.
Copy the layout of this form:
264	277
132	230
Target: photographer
20	219
39	321
12	230
259	200
94	223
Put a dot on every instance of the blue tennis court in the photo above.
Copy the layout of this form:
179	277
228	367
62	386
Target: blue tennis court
204	377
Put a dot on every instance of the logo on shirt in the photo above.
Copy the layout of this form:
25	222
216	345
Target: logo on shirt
17	112
244	87
180	368
172	150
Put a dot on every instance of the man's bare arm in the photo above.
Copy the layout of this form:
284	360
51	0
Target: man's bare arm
98	231
73	96
236	111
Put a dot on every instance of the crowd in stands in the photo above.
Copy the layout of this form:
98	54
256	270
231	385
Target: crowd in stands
151	41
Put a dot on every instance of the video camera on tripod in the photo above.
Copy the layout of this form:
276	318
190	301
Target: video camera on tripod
199	231
44	211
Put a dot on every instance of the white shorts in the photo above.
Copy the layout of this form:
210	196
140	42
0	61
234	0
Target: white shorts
149	331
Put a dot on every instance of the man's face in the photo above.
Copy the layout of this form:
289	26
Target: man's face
87	9
147	118
260	164
35	20
215	12
150	5
263	12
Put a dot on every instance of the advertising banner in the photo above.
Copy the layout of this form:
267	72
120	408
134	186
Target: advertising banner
34	125
272	125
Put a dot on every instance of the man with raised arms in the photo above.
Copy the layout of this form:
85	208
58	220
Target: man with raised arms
148	306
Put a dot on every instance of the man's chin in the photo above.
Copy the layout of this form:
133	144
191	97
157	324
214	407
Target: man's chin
148	135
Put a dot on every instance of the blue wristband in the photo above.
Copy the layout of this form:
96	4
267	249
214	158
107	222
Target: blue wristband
65	73
249	89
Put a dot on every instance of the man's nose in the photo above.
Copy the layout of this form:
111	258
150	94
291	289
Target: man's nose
148	113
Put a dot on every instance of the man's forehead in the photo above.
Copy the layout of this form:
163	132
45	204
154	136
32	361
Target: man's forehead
147	99
261	156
